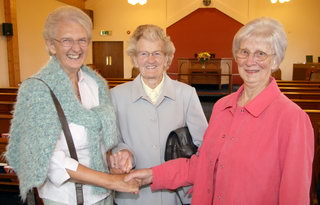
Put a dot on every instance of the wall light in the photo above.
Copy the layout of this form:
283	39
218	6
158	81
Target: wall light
134	2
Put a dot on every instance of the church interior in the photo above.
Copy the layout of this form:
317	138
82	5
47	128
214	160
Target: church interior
194	26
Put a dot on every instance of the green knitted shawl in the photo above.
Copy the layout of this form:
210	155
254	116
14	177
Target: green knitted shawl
35	127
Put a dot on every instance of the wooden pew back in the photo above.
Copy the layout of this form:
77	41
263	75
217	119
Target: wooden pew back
317	85
308	103
120	79
9	89
297	81
302	95
300	89
5	120
112	82
6	107
315	120
8	97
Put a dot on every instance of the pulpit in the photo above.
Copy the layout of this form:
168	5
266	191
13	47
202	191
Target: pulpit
214	71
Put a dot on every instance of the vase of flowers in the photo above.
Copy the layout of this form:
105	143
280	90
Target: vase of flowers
203	57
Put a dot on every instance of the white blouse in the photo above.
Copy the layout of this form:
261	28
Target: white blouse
57	187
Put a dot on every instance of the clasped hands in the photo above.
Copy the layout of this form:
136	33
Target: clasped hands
121	164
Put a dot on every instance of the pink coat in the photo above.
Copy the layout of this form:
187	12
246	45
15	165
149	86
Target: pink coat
260	154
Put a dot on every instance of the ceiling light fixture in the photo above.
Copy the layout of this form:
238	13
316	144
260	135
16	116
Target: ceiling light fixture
206	2
280	1
134	2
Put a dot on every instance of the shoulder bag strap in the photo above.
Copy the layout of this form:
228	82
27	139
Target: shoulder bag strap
67	134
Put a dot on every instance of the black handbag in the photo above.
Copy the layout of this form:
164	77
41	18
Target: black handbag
179	144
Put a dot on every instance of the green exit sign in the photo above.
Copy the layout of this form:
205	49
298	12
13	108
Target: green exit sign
105	33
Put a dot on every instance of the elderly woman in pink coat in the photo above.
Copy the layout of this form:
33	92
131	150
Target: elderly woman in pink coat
258	148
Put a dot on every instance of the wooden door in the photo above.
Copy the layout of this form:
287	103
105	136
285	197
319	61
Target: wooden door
108	58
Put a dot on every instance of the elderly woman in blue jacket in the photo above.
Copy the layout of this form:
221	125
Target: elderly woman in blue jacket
149	108
37	149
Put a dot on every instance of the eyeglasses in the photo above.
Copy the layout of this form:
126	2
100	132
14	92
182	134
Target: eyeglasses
68	42
146	54
257	55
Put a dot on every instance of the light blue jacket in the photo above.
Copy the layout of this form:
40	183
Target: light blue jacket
144	128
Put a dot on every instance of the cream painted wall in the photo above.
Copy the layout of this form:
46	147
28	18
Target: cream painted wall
237	9
4	79
120	17
178	9
31	16
301	21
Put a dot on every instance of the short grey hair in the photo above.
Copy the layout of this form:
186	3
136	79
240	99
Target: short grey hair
152	33
267	30
66	13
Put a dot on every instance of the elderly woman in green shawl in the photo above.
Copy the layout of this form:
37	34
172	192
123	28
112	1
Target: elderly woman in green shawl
37	149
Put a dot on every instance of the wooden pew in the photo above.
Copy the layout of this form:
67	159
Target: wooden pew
120	79
3	145
8	97
115	83
5	123
9	182
302	95
111	85
316	165
317	85
297	81
308	103
6	107
299	89
112	82
314	115
9	90
315	120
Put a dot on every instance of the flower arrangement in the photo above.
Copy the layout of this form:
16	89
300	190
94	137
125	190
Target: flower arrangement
203	57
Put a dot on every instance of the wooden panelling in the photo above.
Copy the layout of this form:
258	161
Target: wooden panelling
76	3
12	43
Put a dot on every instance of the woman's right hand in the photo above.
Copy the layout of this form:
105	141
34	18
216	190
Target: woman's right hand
118	183
144	176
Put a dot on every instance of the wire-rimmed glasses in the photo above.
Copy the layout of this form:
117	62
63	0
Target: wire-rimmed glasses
257	55
69	42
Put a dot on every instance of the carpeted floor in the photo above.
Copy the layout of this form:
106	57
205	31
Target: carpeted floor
207	101
8	198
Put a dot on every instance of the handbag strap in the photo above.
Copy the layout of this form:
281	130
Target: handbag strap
67	134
